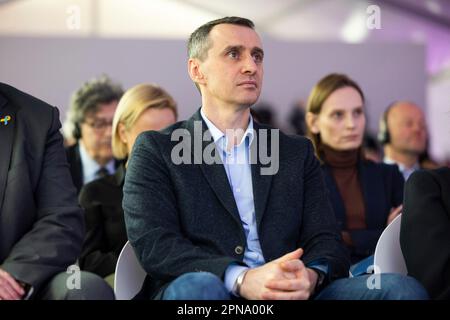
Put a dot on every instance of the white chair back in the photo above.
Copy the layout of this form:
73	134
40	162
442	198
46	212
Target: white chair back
388	254
129	274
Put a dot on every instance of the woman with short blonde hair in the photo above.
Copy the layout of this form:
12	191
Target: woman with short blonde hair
133	104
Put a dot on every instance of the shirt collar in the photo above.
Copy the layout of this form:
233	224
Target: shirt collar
217	134
406	172
90	166
402	167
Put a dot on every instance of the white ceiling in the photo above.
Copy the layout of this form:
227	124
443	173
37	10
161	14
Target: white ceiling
424	21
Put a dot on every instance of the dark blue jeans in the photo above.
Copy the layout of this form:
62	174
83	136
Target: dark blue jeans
207	286
365	266
385	286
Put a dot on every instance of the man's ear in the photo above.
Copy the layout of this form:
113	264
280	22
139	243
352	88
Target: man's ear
311	121
195	72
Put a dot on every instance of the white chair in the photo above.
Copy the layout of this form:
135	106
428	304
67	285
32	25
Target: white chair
388	256
129	274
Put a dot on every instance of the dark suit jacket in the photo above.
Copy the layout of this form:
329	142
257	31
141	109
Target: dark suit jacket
41	225
183	218
425	230
105	225
382	188
76	166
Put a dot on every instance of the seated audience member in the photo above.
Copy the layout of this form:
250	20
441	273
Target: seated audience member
366	196
425	230
143	107
403	134
41	224
90	118
210	218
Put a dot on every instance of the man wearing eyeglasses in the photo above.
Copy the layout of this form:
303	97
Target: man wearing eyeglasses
90	117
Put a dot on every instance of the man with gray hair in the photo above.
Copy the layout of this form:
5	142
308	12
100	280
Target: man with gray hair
90	118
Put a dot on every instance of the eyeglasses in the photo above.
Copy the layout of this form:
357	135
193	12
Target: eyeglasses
99	124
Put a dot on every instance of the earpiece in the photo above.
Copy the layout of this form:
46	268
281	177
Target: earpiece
384	136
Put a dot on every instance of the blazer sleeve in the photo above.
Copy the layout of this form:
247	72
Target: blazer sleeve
54	242
94	256
425	233
152	218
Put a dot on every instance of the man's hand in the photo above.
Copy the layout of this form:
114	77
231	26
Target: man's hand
394	213
299	288
10	289
285	278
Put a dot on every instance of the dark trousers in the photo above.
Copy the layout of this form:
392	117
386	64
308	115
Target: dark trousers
62	287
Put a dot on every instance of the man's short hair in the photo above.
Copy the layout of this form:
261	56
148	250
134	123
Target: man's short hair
199	42
86	100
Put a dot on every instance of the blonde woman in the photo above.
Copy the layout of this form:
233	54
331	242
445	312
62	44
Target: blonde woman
142	108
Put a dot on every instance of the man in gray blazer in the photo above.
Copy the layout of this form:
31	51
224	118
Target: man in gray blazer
41	224
220	206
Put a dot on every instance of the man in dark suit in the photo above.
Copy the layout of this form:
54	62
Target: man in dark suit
425	230
89	122
41	225
220	206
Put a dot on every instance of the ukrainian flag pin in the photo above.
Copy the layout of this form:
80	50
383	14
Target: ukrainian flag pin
5	120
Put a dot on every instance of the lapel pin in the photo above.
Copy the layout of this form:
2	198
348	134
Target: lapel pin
5	120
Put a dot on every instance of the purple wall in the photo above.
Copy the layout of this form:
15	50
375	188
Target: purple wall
51	68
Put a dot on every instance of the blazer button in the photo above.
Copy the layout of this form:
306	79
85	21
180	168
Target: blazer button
239	250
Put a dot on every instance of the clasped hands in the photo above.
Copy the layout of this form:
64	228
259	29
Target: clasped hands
285	278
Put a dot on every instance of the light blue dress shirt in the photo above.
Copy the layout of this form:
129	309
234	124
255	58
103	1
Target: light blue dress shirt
236	162
91	167
406	172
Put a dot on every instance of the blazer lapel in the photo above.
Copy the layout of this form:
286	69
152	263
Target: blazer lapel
371	184
261	183
335	197
214	173
6	137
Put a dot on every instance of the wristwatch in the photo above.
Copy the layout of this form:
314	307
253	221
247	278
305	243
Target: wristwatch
28	288
238	283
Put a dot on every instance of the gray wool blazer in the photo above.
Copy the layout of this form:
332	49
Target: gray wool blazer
183	218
